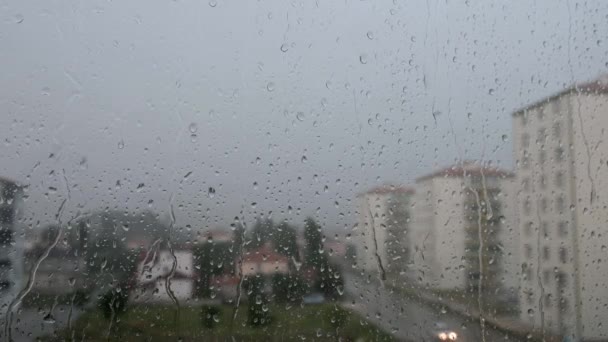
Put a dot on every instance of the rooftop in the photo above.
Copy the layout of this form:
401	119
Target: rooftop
466	168
388	189
264	254
594	87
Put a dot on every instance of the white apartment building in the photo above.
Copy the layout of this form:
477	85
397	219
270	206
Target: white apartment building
561	151
445	245
380	236
11	245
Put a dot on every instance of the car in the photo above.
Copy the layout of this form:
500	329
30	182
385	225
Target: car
442	332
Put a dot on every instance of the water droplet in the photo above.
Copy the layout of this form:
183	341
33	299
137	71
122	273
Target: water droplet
370	35
270	86
300	116
193	127
284	47
304	159
140	186
505	137
125	227
212	3
121	145
49	319
363	59
211	192
491	91
19	18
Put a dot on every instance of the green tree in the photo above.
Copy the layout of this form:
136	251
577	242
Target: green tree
288	288
313	236
238	236
330	281
114	304
212	258
284	240
258	312
210	316
262	232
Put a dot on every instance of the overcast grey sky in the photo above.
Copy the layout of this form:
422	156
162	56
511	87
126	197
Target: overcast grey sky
129	97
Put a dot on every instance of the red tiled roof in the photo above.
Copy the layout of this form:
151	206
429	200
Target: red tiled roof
469	168
224	280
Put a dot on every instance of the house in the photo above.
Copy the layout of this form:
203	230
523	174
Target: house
560	152
264	261
225	286
162	274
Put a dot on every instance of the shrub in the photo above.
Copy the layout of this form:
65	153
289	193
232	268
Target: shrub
210	316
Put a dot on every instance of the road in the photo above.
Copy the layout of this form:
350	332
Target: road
408	319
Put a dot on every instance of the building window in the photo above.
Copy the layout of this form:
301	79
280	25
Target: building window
559	154
560	204
548	301
543	182
559	179
546	253
562	228
528	229
557	131
561	279
543	204
563	255
529	274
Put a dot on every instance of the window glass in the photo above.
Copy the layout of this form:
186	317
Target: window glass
303	170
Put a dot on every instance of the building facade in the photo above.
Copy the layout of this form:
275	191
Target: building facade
380	237
462	219
560	149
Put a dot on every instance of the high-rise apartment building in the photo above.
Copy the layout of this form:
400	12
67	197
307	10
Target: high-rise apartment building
561	155
380	237
461	220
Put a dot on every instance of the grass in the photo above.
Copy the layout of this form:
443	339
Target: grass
289	323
